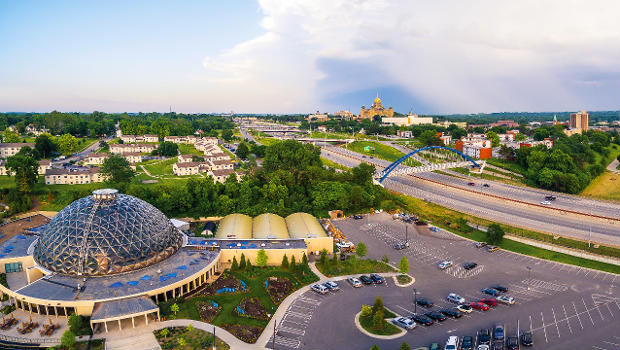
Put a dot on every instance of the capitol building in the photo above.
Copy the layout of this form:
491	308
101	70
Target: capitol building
376	109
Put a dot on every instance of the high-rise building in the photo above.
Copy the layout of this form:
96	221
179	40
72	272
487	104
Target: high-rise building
579	120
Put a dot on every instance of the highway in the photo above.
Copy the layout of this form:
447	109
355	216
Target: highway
520	215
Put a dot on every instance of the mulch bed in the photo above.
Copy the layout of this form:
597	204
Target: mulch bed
225	281
248	334
207	311
278	288
252	308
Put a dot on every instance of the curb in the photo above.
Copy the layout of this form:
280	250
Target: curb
361	329
403	285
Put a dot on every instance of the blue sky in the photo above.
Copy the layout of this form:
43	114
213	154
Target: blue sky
282	56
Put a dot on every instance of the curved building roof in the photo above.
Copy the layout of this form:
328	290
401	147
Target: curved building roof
105	233
269	226
304	225
233	226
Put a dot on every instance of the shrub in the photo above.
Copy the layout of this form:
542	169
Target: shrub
235	264
242	263
68	339
361	250
366	311
284	262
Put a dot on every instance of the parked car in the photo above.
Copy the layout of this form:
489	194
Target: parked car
452	343
489	301
490	291
486	185
365	279
376	278
451	313
465	308
331	285
484	336
404	322
479	306
545	203
469	265
319	288
421	319
467	343
471	184
424	302
434	346
550	198
357	217
526	339
500	288
483	347
492	248
354	282
498	331
437	316
445	264
497	345
455	298
400	246
504	299
512	343
480	244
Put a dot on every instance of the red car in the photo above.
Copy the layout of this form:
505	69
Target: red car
489	301
478	305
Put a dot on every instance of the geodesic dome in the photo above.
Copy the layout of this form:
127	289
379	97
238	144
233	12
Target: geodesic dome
106	233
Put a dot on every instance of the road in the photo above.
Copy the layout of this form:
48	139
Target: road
565	307
535	218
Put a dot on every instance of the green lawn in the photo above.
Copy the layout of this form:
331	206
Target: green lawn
189	149
353	266
387	328
380	151
193	339
160	167
324	135
255	280
605	186
332	164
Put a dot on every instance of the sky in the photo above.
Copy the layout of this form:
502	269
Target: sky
292	56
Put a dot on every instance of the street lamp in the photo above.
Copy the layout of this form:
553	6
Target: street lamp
529	270
415	301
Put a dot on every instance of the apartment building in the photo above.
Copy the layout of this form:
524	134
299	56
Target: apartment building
184	158
11	149
139	138
68	177
220	175
190	139
220	164
95	158
133	157
132	148
189	168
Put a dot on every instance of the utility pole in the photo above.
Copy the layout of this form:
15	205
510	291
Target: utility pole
406	235
273	346
213	337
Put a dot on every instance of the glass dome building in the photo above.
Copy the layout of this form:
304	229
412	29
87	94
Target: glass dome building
106	233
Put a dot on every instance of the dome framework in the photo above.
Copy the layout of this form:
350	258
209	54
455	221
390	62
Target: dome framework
106	233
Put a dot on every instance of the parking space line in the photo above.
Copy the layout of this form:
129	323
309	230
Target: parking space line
576	313
598	308
588	311
610	343
567	320
530	323
543	325
556	323
596	347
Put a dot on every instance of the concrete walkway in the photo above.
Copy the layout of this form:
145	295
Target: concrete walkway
612	167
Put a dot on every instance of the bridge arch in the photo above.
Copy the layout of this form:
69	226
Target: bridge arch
383	174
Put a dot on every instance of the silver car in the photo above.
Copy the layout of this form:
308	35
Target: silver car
445	264
319	288
355	282
506	299
455	298
331	285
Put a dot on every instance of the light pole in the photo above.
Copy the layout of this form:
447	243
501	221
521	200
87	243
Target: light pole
273	346
415	301
529	270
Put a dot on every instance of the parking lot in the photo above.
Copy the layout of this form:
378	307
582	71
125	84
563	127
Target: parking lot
563	306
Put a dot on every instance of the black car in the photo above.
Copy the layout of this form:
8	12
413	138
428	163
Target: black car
550	198
485	185
365	279
526	339
498	332
484	336
469	265
512	343
421	319
437	316
490	291
500	288
376	278
399	246
497	345
452	313
357	217
424	302
467	343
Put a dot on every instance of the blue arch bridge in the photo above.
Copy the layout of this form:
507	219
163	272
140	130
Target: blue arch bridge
391	169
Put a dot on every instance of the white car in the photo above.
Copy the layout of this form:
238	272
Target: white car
455	298
355	282
482	347
445	264
465	309
545	203
319	288
452	343
344	245
506	299
331	285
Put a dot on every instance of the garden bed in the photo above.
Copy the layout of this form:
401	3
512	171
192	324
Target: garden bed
226	284
403	279
170	338
208	310
252	308
278	288
248	334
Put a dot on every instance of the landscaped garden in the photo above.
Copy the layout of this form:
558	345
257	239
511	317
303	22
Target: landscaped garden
351	265
372	319
244	298
188	338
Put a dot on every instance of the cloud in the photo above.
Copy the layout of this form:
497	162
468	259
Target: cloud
456	56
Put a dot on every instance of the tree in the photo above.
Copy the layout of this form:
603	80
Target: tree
377	320
67	144
304	260
68	339
363	173
323	257
361	250
227	134
492	135
403	265
293	264
375	347
25	170
334	258
242	150
75	323
164	332
242	263
182	342
378	305
174	308
45	145
495	234
284	262
235	264
167	149
366	311
261	258
10	137
29	152
405	346
189	327
117	169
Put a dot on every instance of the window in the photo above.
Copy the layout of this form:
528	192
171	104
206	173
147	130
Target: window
13	267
